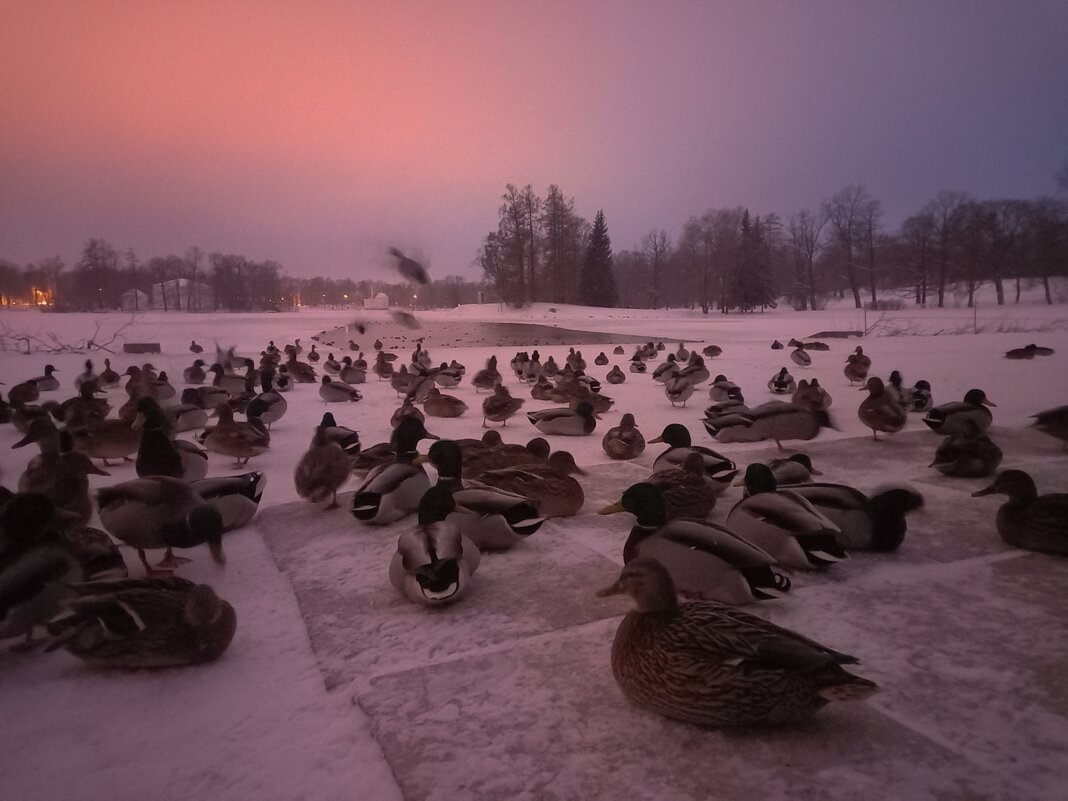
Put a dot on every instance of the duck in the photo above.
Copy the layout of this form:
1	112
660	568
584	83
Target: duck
434	562
550	367
548	484
793	469
970	454
47	382
58	472
336	392
775	420
782	383
920	397
618	350
949	418
705	560
1053	422
35	569
666	371
84	408
474	447
438	405
873	522
506	454
488	377
542	389
391	491
89	374
1026	352
406	409
499	406
800	357
896	389
715	666
207	397
857	366
1028	520
493	519
712	351
313	354
24	393
582	393
241	440
301	372
378	344
678	390
160	512
637	364
601	359
353	346
880	411
195	348
784	524
577	422
811	395
383	368
322	469
331	365
624	441
161	388
615	375
724	390
448	377
269	406
150	622
159	454
695	371
680	445
235	498
106	440
109	379
351	373
686	490
195	373
776	345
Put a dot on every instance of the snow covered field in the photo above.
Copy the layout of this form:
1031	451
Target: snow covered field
260	722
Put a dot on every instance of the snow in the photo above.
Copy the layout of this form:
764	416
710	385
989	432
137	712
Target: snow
335	687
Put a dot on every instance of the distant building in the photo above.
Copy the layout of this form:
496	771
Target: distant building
184	295
379	301
136	300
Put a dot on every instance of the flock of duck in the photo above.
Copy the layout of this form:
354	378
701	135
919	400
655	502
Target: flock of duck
701	661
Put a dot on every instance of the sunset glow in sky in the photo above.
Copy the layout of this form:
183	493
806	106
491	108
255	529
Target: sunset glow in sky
318	133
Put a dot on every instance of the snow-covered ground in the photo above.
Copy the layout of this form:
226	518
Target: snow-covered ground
260	723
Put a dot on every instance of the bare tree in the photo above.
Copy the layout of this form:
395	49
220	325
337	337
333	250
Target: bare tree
806	231
919	234
193	257
845	213
944	210
870	213
657	247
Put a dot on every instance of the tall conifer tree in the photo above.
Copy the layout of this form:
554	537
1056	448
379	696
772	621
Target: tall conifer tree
597	283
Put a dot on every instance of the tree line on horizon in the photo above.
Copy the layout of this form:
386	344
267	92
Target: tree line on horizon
727	259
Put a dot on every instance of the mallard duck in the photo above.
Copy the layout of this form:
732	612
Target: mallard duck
896	389
694	371
811	395
1026	352
618	350
301	372
492	518
161	388
548	484
336	392
637	364
313	354
438	405
351	373
331	365
793	469
58	472
406	409
269	406
920	398
488	377
160	512
776	345
686	491
186	417
207	397
235	498
159	454
601	360
970	454
383	368
84	408
47	382
880	411
705	560
472	447
775	420
712	351
577	422
506	454
615	375
857	366
107	439
24	393
713	665
241	440
866	523
195	373
195	348
35	568
322	469
680	445
391	491
448	377
624	441
353	346
782	383
499	406
1053	422
662	373
144	623
108	377
949	418
550	367
434	562
96	552
678	390
800	357
724	390
783	523
232	383
1029	520
89	374
582	393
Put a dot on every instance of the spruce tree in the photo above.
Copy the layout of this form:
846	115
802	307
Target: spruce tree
597	283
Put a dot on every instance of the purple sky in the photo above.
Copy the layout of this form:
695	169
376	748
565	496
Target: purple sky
319	133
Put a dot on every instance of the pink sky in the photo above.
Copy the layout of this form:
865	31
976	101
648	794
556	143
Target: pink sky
318	133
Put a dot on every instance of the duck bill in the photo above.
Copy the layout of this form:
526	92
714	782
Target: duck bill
420	458
26	440
988	491
613	589
217	552
988	402
93	470
656	440
615	508
138	423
